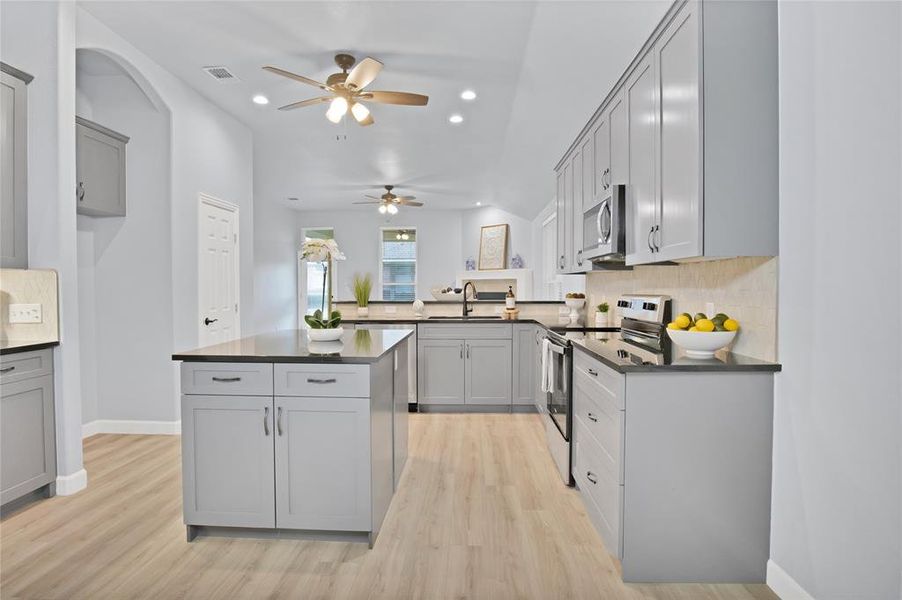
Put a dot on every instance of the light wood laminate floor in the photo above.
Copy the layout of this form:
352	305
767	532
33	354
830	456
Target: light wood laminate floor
481	513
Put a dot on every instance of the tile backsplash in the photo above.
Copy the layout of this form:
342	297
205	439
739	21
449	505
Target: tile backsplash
744	288
29	286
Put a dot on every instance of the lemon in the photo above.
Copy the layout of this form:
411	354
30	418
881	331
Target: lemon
682	322
673	325
731	325
704	325
693	329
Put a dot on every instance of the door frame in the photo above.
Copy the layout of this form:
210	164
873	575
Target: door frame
236	261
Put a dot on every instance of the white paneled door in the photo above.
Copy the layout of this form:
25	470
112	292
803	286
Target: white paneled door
218	289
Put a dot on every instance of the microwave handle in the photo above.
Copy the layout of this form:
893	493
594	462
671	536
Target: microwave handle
604	203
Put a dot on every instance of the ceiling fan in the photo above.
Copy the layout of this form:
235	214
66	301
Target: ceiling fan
389	202
347	90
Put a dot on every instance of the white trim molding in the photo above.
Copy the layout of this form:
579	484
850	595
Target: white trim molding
131	427
67	485
783	585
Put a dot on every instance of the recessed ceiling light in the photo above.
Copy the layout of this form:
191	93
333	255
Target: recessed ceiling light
468	95
456	119
479	204
260	99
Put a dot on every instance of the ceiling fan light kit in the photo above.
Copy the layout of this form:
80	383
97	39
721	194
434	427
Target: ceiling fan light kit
347	90
389	201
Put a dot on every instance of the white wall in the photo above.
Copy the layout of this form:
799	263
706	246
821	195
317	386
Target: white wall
209	152
357	234
836	497
276	242
125	265
39	38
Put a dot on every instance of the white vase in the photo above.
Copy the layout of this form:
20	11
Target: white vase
363	311
418	307
601	319
325	335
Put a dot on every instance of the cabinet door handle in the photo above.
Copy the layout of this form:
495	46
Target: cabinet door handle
226	379
656	238
592	417
468	350
461	351
579	257
266	420
591	477
593	372
80	192
648	238
311	380
279	421
560	263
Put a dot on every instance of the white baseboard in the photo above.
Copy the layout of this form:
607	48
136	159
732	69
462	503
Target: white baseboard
66	485
783	585
131	427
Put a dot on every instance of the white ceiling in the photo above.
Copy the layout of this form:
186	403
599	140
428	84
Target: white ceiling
539	68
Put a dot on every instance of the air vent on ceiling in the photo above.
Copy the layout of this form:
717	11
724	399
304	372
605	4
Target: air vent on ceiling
220	73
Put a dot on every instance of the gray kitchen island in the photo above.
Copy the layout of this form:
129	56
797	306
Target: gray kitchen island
282	435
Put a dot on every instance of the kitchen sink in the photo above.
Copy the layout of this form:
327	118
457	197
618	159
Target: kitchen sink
475	318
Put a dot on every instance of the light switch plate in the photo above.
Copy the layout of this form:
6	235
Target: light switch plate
25	313
390	310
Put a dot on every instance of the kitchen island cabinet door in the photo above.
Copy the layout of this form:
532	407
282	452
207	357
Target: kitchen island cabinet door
27	437
323	463
227	461
440	372
488	377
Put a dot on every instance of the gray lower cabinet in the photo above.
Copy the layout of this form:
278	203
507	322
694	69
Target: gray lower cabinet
27	425
525	358
13	165
322	463
100	166
440	371
401	409
227	461
488	372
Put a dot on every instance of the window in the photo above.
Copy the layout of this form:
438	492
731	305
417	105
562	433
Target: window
311	273
398	254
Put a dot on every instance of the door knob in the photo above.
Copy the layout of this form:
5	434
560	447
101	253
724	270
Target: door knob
208	320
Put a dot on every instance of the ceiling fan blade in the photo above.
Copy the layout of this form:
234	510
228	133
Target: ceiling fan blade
302	103
373	197
364	73
377	202
410	203
403	98
406	198
297	77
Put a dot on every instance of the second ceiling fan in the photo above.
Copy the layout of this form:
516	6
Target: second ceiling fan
389	202
347	90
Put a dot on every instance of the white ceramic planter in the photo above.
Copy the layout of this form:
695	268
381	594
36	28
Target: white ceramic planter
325	335
601	319
363	311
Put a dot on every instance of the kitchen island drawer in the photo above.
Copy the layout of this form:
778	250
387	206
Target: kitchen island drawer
465	331
227	379
608	382
322	380
25	365
600	418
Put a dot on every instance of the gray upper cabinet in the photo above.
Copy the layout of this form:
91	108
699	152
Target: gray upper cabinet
526	356
13	165
228	476
100	170
440	371
696	146
489	372
322	450
601	163
564	217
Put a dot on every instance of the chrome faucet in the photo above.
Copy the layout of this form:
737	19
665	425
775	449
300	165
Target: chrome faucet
468	310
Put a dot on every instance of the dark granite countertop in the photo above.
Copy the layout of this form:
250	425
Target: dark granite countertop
293	346
627	357
13	346
551	323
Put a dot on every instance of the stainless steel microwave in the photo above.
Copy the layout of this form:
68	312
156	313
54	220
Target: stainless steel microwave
604	228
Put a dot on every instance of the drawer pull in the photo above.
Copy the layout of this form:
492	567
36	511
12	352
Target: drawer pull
311	380
7	369
593	372
592	417
591	477
226	379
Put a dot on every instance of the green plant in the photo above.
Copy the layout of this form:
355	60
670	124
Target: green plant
316	320
363	285
603	307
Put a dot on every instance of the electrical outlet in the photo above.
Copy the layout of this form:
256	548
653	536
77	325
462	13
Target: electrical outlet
709	309
390	310
25	313
499	310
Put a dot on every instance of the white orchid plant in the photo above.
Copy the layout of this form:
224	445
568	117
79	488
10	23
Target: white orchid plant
324	251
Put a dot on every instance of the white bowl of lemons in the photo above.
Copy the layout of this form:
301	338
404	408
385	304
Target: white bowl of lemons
701	337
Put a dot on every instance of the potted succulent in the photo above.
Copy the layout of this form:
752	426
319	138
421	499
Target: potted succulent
601	314
363	285
323	328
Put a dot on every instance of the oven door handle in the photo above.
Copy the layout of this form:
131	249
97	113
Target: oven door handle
557	349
